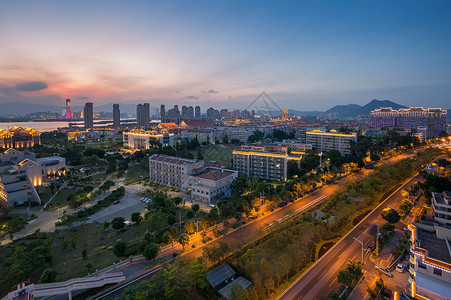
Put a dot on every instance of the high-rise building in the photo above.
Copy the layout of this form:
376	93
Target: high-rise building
433	119
88	115
68	110
190	112
197	112
143	115
162	113
116	115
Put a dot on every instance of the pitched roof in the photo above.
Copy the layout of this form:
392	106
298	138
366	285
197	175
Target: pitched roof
219	274
195	123
214	175
168	126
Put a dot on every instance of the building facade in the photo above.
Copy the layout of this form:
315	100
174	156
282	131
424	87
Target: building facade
430	262
266	162
433	119
143	115
325	141
88	115
441	207
21	173
116	115
145	139
203	182
18	137
92	134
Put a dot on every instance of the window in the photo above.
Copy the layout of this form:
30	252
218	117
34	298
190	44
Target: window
421	265
437	272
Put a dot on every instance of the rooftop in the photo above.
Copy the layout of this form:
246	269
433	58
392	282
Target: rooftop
436	248
226	291
171	159
219	274
215	175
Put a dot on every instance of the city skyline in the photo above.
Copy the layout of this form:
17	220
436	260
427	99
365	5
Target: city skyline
306	56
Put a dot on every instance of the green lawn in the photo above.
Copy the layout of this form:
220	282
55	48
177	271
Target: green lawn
134	175
220	154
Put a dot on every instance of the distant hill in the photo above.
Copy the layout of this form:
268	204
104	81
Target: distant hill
23	108
353	110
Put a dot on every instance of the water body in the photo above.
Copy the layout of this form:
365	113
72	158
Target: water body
44	126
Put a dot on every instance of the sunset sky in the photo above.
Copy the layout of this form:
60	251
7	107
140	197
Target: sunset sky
307	55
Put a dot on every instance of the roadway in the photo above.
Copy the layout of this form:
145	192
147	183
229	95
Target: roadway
322	276
242	233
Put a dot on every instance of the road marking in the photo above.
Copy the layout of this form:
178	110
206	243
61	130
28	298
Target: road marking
333	282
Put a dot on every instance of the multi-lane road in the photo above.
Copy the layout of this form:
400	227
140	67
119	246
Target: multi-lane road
284	213
322	276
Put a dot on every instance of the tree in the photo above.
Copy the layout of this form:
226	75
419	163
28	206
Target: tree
351	275
203	234
200	155
89	267
119	249
147	239
310	161
184	240
106	224
195	208
173	231
171	219
390	215
190	214
118	223
84	254
49	275
136	217
167	237
292	168
190	227
151	251
14	225
334	157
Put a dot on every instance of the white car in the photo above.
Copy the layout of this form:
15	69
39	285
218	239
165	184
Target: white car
400	268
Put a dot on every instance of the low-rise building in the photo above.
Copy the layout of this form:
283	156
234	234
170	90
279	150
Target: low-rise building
18	137
441	207
209	184
204	183
325	141
430	262
21	173
266	162
144	139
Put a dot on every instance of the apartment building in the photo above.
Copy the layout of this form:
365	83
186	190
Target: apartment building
266	162
441	207
171	171
92	134
430	262
433	119
323	141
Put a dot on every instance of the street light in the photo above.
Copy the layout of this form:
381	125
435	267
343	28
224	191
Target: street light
361	243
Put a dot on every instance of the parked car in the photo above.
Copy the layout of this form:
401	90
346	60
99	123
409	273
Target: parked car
282	204
384	270
371	246
116	202
400	268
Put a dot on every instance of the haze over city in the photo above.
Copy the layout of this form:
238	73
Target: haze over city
307	56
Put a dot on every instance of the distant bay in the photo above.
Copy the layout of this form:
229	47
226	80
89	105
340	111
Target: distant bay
43	126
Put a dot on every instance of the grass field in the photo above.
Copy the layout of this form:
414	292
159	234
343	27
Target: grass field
134	175
220	154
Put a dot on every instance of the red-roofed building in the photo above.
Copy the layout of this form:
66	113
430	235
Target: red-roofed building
205	183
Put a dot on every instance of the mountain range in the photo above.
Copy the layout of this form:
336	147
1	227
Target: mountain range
343	111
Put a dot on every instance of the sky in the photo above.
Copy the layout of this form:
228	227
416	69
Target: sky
306	55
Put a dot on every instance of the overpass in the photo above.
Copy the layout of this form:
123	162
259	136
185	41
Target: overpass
32	291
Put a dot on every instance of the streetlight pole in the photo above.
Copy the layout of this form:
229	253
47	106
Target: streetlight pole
361	243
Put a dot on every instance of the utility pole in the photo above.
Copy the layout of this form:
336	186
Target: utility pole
377	240
361	243
180	222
